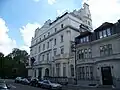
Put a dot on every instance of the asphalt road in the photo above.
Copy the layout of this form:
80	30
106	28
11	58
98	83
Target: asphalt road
15	86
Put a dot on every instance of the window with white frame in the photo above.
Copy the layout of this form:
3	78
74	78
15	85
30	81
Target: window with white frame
43	57
48	33
62	49
55	29
39	48
61	38
47	44
89	53
44	36
61	25
43	46
55	41
85	55
104	33
108	32
101	34
47	56
55	52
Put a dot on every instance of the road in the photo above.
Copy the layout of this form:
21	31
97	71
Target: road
15	86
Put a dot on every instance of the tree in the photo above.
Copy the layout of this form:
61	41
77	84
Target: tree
14	64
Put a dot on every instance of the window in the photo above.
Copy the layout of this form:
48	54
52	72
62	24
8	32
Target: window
101	50
84	39
48	33
88	23
85	53
47	56
61	38
40	39
104	33
105	50
64	69
47	44
39	48
55	52
87	39
61	25
82	54
89	53
44	36
108	32
81	40
43	46
55	29
110	49
100	34
55	41
43	57
62	50
58	69
72	70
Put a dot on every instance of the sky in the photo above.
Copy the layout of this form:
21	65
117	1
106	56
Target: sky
20	18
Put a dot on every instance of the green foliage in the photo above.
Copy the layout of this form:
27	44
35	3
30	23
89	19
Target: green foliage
14	64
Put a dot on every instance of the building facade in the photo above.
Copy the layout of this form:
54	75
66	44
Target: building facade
98	55
50	45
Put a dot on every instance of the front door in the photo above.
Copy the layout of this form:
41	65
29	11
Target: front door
106	76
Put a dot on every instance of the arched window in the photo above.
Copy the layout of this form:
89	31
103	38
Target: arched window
72	70
46	72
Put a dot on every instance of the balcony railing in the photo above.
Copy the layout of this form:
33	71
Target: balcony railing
60	56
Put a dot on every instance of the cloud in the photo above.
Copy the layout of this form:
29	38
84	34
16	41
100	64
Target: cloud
51	2
27	32
6	43
36	0
104	11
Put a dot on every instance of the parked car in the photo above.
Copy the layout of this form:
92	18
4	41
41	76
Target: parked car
18	80
34	82
4	86
25	81
49	85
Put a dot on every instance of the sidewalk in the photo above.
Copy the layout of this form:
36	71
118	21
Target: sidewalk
84	87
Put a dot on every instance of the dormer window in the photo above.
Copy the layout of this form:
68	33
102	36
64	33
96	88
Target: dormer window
105	33
61	25
108	32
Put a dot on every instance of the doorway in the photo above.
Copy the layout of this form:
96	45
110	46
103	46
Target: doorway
106	76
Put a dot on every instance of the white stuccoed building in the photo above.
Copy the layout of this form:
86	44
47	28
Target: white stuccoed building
51	45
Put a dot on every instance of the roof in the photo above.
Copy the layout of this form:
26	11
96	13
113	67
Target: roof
58	18
104	26
83	34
